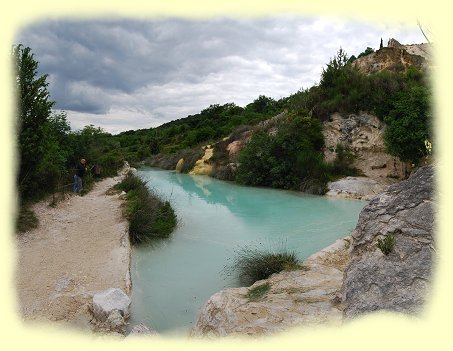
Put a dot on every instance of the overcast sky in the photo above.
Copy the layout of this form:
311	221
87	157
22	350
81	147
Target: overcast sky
131	74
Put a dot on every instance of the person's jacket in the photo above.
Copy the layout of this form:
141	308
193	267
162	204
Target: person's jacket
80	170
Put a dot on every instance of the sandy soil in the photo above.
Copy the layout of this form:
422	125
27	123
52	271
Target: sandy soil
80	247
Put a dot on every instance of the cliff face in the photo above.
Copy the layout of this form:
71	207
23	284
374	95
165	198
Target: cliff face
399	280
395	57
363	134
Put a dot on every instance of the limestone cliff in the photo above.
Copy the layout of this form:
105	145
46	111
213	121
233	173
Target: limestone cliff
363	134
399	280
202	166
395	57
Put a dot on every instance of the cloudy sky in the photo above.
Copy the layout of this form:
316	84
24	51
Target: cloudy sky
128	74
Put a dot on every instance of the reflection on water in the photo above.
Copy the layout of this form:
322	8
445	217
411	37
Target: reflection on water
173	278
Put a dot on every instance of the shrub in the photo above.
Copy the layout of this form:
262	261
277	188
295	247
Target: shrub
26	220
251	264
408	124
386	244
149	217
342	165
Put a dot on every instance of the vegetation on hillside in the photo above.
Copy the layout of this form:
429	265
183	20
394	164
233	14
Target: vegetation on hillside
290	159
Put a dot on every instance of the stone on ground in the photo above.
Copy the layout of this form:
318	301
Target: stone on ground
105	302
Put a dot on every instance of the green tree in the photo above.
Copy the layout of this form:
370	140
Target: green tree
408	124
292	159
367	51
39	132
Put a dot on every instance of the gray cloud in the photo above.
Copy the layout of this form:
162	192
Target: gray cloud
126	74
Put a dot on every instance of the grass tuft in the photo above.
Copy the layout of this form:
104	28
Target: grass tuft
149	217
258	292
253	263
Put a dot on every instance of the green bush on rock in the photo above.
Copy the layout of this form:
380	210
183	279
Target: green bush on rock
386	244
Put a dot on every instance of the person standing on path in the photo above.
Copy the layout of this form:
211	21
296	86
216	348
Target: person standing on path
78	177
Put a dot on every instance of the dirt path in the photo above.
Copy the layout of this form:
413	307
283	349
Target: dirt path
80	247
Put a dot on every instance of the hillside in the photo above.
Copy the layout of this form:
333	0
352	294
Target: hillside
375	120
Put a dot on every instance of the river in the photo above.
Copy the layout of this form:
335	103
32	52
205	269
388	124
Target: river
173	278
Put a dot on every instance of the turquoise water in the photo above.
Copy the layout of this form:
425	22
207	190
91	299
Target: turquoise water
173	278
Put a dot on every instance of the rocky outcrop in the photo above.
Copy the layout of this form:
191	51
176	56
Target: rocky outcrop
399	280
395	57
202	166
361	188
363	134
304	297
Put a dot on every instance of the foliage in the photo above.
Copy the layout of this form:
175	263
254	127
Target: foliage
149	217
26	220
258	292
408	124
253	263
343	162
386	245
291	159
367	51
39	133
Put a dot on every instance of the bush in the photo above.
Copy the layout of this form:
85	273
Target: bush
26	220
408	124
256	263
291	159
149	217
342	165
386	244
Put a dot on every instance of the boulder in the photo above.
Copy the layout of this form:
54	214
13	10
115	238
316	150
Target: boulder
398	280
105	302
179	165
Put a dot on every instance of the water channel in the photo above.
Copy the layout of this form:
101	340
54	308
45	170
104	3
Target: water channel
173	278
